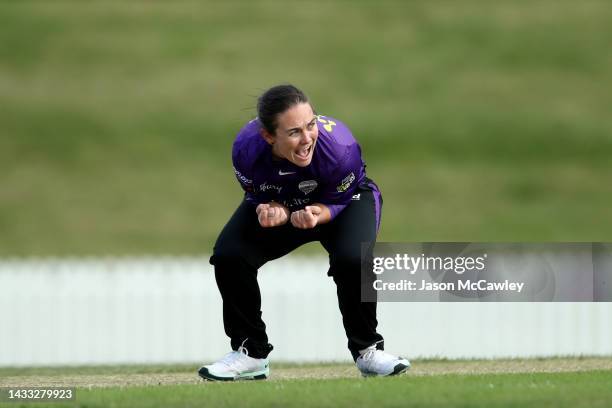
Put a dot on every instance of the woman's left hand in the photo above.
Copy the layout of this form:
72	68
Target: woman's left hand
306	218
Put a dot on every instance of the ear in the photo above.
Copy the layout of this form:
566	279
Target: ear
268	137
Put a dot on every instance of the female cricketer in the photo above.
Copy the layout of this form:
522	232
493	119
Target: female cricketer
304	180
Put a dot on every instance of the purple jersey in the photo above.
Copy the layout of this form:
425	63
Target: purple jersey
331	178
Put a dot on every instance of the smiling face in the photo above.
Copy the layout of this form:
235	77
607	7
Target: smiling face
296	135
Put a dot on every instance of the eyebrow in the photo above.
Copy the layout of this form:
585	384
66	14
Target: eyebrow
298	128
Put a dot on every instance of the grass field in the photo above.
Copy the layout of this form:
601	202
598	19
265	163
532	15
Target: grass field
480	120
571	382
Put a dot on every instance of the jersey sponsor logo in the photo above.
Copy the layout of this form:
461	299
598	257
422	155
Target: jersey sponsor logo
346	183
242	179
307	186
296	202
284	173
356	197
264	187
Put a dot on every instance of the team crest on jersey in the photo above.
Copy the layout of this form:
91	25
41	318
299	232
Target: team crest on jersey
346	183
307	186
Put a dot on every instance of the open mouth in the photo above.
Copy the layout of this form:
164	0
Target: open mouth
304	152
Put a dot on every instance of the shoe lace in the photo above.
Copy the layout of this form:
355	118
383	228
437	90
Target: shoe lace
232	359
370	354
375	357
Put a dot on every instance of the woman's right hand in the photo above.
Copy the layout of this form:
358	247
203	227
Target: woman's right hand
272	214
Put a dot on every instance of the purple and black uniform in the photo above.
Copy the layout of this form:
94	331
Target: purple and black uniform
336	178
332	178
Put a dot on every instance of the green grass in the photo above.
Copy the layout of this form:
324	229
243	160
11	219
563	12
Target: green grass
538	382
58	371
480	120
95	370
583	389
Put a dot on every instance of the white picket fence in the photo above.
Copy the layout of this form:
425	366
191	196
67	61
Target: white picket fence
168	310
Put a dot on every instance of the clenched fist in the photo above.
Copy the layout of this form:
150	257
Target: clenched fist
272	214
306	218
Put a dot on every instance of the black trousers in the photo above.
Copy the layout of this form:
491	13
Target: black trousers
244	246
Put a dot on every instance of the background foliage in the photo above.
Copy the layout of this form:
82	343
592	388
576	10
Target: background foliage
482	121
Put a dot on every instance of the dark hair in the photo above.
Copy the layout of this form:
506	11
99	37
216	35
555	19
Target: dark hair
275	101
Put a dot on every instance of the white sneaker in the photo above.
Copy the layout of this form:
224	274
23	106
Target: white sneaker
373	362
236	365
